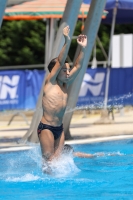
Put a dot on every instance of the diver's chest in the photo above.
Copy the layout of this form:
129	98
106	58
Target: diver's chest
59	91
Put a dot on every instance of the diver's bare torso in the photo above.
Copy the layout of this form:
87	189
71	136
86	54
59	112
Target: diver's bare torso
55	97
54	103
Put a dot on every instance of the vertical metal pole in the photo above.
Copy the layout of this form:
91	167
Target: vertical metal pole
109	59
94	61
47	43
3	4
102	48
52	34
2	10
91	28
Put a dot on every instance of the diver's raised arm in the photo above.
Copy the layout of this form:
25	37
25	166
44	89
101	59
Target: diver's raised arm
82	41
63	54
59	61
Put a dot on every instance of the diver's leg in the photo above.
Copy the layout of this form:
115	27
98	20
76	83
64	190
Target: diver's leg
47	144
59	144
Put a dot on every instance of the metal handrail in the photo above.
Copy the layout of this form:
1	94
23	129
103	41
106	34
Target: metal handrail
40	66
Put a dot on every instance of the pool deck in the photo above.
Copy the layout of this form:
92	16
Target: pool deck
85	128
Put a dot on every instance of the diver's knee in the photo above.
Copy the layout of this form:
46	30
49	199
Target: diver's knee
46	168
47	156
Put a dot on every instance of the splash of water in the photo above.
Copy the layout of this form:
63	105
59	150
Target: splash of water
35	154
62	166
27	166
112	102
25	178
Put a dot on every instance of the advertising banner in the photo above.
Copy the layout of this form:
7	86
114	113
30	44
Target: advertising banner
12	93
19	89
120	92
34	80
121	87
93	88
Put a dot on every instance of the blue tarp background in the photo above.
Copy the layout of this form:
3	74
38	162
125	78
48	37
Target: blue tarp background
120	87
124	12
19	89
27	88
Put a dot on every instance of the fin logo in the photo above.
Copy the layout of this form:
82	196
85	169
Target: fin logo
93	85
8	87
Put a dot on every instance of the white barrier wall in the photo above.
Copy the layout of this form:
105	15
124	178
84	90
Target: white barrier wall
122	51
116	63
127	50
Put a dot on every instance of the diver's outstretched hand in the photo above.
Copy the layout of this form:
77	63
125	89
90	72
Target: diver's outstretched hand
66	31
82	40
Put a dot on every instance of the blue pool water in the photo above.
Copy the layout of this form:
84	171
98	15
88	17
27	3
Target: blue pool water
106	178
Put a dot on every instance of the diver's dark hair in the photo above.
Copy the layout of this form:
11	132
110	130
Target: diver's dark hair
52	63
67	148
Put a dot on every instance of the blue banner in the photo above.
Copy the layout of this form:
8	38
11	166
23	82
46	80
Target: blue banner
92	88
12	93
34	80
19	89
121	87
120	91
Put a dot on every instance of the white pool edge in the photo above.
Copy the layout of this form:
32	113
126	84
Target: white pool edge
83	141
100	139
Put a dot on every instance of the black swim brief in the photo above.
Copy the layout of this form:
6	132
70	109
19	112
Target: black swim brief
57	131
